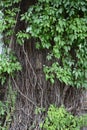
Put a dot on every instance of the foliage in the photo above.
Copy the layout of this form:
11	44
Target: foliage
61	27
8	65
8	62
7	109
39	110
10	10
21	37
60	119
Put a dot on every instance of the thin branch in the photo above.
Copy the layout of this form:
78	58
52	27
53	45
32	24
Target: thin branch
30	66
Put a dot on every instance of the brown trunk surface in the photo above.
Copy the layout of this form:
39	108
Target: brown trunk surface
33	90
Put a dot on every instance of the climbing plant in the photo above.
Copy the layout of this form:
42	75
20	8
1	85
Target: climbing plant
61	28
7	108
8	65
8	61
57	26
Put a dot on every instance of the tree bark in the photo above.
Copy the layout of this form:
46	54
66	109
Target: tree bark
33	90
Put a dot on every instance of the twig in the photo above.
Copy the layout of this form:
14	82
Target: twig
30	66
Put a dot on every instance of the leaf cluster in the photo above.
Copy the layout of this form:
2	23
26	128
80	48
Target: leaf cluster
60	119
7	108
10	10
8	65
61	27
8	62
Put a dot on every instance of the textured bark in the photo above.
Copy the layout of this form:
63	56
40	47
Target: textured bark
33	90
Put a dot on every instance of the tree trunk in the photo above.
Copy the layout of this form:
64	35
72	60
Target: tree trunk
33	90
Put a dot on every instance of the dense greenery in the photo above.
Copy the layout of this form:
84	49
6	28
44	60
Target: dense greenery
8	61
60	119
8	65
7	108
60	27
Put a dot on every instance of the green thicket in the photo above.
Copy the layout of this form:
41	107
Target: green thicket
61	27
58	26
8	62
7	108
60	119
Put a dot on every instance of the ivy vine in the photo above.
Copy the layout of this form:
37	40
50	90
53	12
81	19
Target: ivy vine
8	61
61	28
58	26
